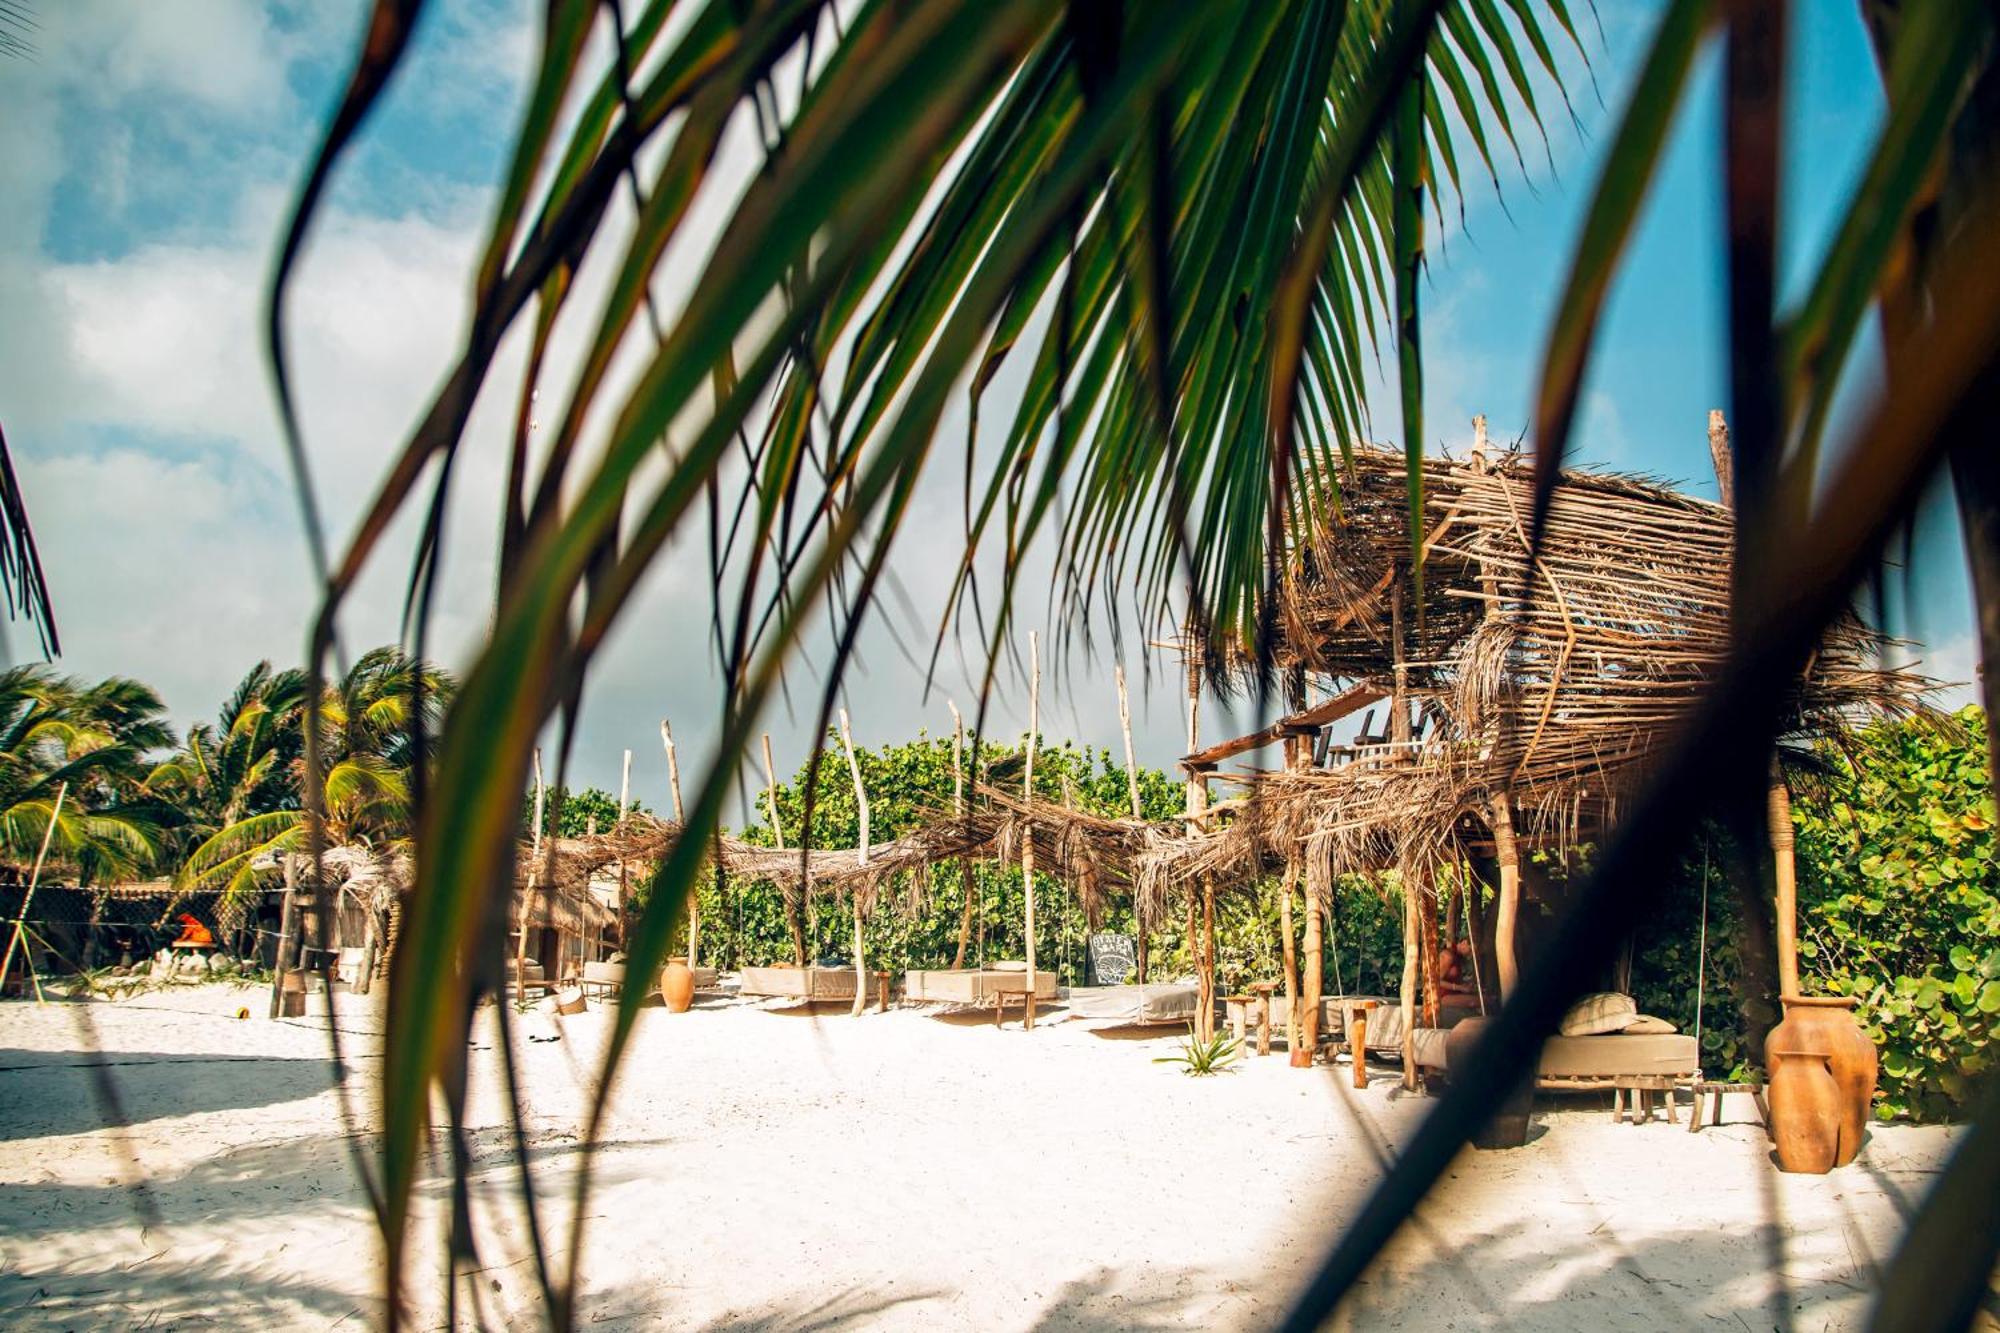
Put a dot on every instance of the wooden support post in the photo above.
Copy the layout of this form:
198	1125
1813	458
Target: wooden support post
861	858
1138	810
1357	1041
795	909
1206	990
288	925
1507	909
1028	793
1780	813
1291	960
1306	1048
680	817
624	804
1428	950
958	808
1199	944
534	875
1407	995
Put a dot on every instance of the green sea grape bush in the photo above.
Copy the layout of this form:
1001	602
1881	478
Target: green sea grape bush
1900	906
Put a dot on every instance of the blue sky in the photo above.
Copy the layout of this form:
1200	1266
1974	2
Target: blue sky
149	154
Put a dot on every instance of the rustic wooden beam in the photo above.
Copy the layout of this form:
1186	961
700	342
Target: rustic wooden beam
1303	722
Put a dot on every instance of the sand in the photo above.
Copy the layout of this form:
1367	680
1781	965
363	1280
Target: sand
773	1168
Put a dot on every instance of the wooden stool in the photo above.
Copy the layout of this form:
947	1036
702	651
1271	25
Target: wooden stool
881	992
1720	1090
1357	1040
1633	1091
1263	990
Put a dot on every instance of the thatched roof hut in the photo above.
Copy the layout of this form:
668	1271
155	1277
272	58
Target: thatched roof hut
1554	686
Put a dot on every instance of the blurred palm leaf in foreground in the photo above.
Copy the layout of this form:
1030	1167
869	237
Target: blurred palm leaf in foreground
1187	219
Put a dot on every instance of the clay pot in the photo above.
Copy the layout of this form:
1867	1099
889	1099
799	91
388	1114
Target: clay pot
1508	1127
1826	1023
1805	1109
677	985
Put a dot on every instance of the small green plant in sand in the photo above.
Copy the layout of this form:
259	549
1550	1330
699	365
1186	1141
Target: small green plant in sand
1199	1057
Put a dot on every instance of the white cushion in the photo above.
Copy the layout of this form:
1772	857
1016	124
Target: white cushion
1606	1011
1647	1025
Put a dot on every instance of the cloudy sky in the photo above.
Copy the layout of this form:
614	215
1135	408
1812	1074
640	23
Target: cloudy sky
146	160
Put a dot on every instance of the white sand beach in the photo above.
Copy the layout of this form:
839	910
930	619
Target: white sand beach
790	1170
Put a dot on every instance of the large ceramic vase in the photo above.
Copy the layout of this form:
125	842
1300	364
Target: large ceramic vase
677	985
1508	1127
1826	1023
1805	1109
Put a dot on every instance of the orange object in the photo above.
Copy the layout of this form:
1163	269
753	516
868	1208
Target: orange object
193	932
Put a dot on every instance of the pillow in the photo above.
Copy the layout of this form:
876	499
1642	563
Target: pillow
1647	1025
1010	965
1606	1011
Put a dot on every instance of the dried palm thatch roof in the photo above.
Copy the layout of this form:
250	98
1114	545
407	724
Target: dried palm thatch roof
1554	684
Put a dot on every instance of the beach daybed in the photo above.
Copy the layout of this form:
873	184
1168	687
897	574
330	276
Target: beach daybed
1619	1062
1139	1005
799	983
973	985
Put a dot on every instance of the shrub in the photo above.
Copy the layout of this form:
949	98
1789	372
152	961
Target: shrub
1901	905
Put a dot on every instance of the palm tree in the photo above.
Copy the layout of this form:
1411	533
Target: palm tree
57	732
248	776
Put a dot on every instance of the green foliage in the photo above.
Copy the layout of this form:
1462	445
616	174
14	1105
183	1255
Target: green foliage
1198	1058
568	814
1900	899
58	732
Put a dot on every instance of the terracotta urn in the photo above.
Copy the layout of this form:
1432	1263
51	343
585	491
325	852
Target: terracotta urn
677	985
1508	1127
1805	1109
1826	1022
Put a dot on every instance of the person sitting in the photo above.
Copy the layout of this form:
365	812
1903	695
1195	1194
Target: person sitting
1455	970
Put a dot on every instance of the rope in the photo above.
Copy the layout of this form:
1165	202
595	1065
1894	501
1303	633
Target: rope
1701	950
1478	982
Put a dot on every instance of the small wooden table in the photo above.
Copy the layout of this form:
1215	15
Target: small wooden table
1012	984
1720	1090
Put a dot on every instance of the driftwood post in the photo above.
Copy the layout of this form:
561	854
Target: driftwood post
1307	1045
1138	810
1778	799
958	808
861	859
624	803
680	818
1399	737
1500	806
1201	940
288	925
528	892
1028	794
1298	752
794	908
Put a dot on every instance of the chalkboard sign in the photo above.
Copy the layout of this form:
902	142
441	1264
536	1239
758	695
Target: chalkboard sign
1112	960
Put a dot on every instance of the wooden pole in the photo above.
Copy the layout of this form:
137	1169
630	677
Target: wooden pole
1028	793
288	925
965	876
1202	947
1507	909
1407	995
18	940
1779	809
1138	809
624	803
534	874
1778	799
794	911
680	818
861	858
